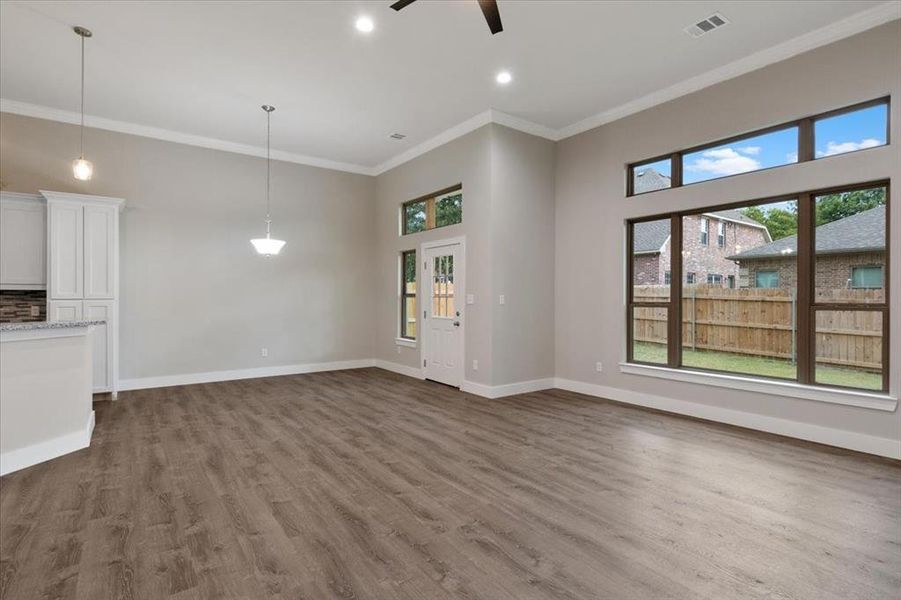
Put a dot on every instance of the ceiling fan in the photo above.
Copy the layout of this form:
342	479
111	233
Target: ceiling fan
489	9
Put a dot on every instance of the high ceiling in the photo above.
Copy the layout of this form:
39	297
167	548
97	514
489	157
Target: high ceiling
204	68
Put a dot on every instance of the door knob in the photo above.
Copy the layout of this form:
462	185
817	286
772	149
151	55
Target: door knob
456	323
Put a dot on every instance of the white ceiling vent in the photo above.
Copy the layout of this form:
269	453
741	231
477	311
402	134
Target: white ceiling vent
397	136
714	21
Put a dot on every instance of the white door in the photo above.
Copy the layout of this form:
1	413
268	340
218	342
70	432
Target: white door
64	310
101	310
443	314
66	250
99	251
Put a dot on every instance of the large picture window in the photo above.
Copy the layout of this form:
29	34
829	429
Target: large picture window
440	209
408	295
798	289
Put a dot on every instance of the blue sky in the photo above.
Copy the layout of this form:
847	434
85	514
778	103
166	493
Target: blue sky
836	135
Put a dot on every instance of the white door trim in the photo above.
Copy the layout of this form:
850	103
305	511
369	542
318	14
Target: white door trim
459	291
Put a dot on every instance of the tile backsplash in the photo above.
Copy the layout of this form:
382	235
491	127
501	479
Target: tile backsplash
15	305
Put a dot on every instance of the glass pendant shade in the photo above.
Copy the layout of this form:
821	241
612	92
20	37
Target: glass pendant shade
82	169
267	246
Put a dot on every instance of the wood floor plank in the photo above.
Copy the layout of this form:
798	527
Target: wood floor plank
366	484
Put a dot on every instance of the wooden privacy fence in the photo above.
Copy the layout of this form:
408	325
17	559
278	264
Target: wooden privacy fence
761	322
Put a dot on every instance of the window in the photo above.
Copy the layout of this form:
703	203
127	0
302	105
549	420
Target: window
408	295
440	209
766	279
866	278
648	243
857	127
443	287
667	278
721	234
851	130
651	176
705	230
812	302
743	155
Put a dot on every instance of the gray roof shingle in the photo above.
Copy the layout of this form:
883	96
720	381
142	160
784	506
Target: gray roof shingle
649	180
862	232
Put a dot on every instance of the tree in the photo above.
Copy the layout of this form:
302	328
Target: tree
780	222
839	206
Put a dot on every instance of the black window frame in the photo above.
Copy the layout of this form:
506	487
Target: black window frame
404	294
806	304
806	146
430	201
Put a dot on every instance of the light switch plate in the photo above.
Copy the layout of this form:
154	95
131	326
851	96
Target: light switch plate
470	299
501	299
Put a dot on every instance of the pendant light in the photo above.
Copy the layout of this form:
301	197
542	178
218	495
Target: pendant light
267	246
82	169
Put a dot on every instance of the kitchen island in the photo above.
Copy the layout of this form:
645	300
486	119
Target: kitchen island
45	391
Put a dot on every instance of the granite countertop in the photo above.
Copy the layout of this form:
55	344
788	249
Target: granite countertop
34	325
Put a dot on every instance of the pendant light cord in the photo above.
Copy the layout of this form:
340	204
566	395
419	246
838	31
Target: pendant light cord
268	137
81	152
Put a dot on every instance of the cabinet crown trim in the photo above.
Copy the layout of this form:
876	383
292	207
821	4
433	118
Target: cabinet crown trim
83	199
21	197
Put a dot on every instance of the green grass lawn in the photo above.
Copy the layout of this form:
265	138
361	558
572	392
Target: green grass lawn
758	365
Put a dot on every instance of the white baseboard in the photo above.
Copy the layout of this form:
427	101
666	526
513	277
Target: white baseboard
509	389
15	460
414	372
804	431
213	376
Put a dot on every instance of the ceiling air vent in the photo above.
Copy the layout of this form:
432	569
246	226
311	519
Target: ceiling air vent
397	136
714	21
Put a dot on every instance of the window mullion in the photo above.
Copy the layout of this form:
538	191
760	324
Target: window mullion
674	336
805	317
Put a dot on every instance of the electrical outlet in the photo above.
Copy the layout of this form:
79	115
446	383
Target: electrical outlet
599	367
470	299
35	311
264	352
501	299
475	365
398	349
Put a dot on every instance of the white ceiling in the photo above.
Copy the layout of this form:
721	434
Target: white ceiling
204	68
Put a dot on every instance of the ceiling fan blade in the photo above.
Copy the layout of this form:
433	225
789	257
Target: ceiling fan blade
401	4
492	15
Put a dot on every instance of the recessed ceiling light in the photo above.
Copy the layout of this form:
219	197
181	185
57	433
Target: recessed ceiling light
504	77
364	24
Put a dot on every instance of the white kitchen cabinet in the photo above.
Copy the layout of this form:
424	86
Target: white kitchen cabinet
102	310
83	270
23	242
66	244
65	310
99	252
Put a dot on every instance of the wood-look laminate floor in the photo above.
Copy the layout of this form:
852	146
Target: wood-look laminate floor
366	484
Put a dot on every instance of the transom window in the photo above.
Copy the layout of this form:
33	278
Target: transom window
805	295
849	129
440	209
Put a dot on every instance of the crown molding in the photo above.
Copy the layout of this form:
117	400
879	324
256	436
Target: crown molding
852	25
66	116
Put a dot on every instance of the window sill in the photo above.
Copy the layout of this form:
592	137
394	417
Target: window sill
405	342
875	401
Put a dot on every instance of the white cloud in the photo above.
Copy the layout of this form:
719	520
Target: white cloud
750	150
792	157
842	147
723	161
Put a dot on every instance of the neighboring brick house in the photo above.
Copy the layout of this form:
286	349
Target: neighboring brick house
850	253
708	240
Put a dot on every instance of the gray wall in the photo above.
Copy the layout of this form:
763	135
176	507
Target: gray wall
466	160
508	221
591	208
195	297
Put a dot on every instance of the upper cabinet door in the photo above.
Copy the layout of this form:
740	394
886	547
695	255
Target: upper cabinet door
99	251
23	244
66	250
